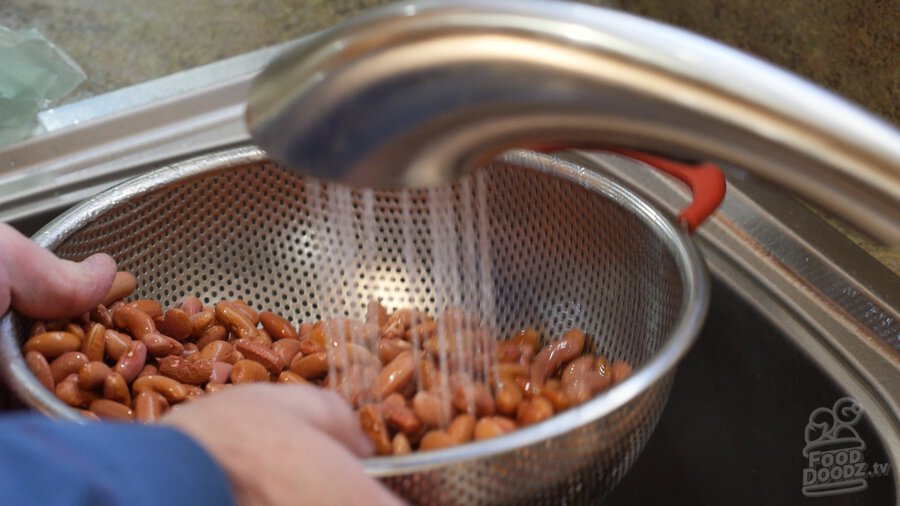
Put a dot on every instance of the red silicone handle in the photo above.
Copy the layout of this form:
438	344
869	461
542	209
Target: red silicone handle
706	181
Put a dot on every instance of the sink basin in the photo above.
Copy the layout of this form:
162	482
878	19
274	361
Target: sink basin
733	430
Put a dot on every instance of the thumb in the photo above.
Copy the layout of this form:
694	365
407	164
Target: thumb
325	411
38	284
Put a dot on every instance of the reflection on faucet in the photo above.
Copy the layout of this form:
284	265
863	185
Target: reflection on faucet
415	94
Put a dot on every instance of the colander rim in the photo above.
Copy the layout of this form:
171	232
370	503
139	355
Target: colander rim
692	313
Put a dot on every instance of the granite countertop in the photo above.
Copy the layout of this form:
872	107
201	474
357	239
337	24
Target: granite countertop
850	47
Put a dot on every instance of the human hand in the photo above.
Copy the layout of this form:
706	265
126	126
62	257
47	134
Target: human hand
284	444
38	284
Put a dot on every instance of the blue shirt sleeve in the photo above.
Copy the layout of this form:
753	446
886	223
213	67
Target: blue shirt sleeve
50	463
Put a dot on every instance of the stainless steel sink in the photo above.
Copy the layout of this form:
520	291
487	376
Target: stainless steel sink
799	319
733	431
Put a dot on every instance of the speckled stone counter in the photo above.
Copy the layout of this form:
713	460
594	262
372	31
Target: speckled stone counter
849	46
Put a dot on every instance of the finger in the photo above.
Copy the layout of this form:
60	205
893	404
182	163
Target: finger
335	460
325	411
38	284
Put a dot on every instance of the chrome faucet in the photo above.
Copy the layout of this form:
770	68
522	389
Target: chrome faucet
415	93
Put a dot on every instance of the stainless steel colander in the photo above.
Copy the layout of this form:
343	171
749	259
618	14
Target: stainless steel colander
567	247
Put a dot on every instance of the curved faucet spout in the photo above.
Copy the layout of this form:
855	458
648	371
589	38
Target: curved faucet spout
414	94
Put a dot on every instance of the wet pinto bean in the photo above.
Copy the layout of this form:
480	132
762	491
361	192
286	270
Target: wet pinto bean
436	440
248	371
39	366
429	408
366	334
202	321
310	366
262	338
277	327
123	285
102	315
193	372
212	388
399	416
481	399
493	426
149	406
135	321
619	371
555	354
508	397
310	346
149	307
115	388
580	382
130	364
53	344
242	306
191	305
534	410
193	393
176	346
159	345
66	364
373	425
111	410
462	428
400	445
172	390
389	348
553	392
93	374
357	354
190	349
421	331
217	351
329	334
221	372
394	376
527	338
266	356
211	334
287	349
428	374
176	324
116	343
305	329
400	321
70	393
291	378
94	343
148	370
73	328
235	320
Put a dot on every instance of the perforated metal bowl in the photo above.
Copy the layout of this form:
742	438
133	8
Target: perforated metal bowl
565	247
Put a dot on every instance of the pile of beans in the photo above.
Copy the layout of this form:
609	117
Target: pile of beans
133	361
